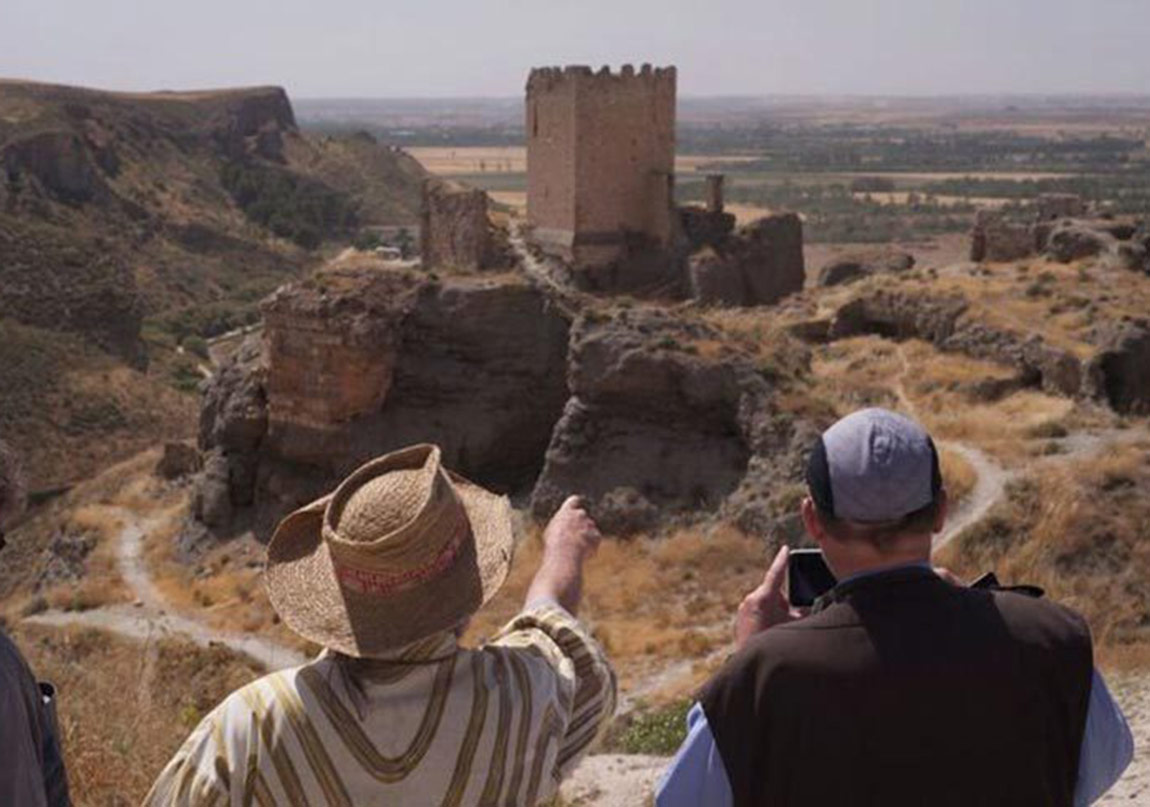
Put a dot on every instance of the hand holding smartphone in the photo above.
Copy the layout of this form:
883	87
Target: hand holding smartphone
808	577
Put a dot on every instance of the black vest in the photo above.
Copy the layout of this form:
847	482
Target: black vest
906	690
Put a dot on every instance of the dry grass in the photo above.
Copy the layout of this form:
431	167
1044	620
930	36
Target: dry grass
957	475
1078	529
650	602
88	509
946	392
1061	302
117	738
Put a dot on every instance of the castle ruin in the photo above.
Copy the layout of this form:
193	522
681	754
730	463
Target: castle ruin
600	164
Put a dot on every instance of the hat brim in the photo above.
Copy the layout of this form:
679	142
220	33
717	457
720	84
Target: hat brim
306	593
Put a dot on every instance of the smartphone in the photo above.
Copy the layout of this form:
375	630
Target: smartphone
808	577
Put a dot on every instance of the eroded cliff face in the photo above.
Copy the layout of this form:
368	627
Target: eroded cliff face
651	415
356	362
657	430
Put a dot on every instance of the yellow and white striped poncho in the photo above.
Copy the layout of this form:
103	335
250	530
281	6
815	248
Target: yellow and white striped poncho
436	725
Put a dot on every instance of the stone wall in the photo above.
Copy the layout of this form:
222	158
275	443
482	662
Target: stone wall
759	265
454	228
600	161
996	239
330	358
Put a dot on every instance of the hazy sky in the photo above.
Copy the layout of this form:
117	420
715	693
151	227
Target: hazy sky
485	47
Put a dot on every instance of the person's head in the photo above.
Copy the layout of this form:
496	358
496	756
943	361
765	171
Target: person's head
12	495
876	496
402	551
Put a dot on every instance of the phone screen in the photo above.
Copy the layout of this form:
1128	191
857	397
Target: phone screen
808	576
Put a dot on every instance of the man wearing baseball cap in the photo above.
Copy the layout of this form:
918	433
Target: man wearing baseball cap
900	687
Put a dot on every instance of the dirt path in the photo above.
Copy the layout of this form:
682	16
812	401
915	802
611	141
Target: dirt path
150	617
614	780
990	477
989	489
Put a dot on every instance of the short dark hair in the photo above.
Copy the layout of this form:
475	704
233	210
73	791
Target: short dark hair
12	492
917	522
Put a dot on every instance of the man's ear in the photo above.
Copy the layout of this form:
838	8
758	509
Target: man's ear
943	508
811	522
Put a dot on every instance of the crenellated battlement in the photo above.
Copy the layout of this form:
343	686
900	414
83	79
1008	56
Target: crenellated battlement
550	78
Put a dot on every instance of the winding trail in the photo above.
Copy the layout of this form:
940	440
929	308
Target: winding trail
150	618
990	477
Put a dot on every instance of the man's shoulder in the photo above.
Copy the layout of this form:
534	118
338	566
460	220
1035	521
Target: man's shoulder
261	698
1040	620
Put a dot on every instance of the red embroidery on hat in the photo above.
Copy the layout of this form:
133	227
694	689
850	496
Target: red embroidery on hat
382	584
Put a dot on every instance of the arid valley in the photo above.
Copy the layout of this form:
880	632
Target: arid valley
214	305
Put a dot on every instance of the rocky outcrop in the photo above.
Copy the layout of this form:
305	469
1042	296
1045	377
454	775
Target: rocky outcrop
233	424
1134	254
357	362
900	315
654	431
250	122
1071	241
996	238
943	321
58	164
759	265
1117	374
177	461
858	264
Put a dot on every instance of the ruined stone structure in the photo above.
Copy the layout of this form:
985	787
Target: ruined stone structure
1052	206
996	239
759	265
600	162
715	193
454	230
330	358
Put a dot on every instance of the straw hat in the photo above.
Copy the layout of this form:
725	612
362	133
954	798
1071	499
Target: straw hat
401	550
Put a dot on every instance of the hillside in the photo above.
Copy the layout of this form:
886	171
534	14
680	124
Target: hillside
144	223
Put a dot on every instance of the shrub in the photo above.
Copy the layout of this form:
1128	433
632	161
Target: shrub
660	731
197	346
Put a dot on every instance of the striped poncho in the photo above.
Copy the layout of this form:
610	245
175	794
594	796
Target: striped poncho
435	725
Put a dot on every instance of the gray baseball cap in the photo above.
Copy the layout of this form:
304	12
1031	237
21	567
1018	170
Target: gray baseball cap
874	466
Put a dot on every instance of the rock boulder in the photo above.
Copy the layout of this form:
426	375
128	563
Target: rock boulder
655	431
1071	241
864	263
1118	372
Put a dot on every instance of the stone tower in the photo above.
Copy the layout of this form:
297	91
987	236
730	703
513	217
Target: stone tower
600	162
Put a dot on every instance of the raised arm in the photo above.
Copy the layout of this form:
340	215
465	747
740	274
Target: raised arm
569	540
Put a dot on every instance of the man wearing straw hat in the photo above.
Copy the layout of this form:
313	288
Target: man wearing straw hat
384	573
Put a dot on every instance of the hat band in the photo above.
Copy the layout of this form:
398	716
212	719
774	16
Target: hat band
381	584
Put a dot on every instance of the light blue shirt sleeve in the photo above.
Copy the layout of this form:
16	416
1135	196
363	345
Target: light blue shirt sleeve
696	775
1107	745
